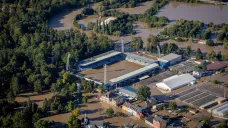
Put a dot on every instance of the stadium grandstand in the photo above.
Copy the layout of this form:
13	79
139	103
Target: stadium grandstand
135	74
99	60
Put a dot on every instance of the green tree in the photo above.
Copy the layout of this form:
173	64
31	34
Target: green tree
45	105
210	42
188	50
15	87
60	108
206	35
76	112
101	88
223	124
199	54
85	99
172	105
70	106
42	124
73	122
152	42
136	43
38	86
143	93
110	112
35	117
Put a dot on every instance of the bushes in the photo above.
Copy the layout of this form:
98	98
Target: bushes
210	42
87	11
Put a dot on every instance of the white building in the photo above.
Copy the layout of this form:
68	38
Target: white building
176	81
107	21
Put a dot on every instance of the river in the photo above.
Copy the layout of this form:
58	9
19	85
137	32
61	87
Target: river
203	12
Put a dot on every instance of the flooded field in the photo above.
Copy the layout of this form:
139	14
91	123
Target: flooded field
202	12
140	9
203	47
95	111
113	70
38	99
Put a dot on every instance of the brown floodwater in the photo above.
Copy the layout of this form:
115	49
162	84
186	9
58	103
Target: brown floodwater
64	19
140	9
203	47
189	11
113	70
96	111
38	99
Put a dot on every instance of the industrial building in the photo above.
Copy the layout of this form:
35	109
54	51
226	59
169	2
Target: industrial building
127	93
176	81
135	74
170	59
184	67
221	111
217	66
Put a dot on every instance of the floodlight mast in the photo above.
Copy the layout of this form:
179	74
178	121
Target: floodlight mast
68	62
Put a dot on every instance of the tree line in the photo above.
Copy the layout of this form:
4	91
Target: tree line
32	55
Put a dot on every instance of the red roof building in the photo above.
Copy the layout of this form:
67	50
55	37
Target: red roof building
217	66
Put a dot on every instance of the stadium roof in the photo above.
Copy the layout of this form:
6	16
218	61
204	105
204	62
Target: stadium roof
176	81
141	58
134	73
99	58
170	57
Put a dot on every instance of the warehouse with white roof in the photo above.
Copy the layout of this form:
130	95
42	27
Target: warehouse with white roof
176	81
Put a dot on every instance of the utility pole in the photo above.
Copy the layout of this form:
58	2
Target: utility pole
105	70
122	46
159	51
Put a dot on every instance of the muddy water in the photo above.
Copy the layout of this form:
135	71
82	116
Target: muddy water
202	12
38	99
113	70
96	111
140	9
203	47
63	20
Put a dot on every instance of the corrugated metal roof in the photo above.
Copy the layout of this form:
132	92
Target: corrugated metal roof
126	91
170	57
99	58
134	73
141	58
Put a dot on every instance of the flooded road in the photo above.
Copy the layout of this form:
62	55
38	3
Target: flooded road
189	11
203	47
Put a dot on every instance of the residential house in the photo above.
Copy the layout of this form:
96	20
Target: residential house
149	121
133	109
158	122
112	99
